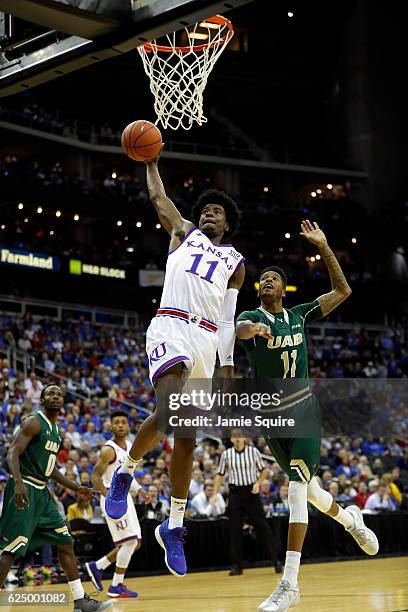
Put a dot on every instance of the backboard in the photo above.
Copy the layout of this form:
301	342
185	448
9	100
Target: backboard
41	40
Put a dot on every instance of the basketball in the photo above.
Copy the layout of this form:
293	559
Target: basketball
141	140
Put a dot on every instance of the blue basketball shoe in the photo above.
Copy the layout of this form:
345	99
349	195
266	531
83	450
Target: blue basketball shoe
95	575
116	499
172	541
121	591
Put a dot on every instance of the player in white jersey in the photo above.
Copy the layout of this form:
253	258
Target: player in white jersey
196	316
126	533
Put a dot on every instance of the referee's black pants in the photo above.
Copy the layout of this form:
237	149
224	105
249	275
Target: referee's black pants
243	503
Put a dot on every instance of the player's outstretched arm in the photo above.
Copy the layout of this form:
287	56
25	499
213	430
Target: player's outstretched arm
169	216
106	456
246	330
70	484
27	430
340	287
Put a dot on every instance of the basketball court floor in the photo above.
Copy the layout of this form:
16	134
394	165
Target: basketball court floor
351	586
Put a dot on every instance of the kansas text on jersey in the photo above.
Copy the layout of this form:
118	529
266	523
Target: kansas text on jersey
197	275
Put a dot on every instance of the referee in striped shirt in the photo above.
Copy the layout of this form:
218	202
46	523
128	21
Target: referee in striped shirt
246	470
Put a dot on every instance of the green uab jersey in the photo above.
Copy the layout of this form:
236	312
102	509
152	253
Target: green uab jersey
285	355
38	460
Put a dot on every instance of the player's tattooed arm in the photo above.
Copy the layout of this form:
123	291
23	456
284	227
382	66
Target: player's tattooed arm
27	430
106	456
169	216
340	287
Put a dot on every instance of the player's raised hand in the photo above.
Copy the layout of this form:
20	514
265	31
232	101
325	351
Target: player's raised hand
313	233
263	330
20	495
149	162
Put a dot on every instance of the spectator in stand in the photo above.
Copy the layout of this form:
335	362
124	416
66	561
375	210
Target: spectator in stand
71	467
73	435
209	468
345	468
395	492
208	504
334	490
362	495
372	446
84	465
327	478
63	454
394	448
381	500
92	436
363	468
85	479
265	492
378	466
347	495
196	484
24	343
47	363
156	508
370	371
282	504
81	509
33	390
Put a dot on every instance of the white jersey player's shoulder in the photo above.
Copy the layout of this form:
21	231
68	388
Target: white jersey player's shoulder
120	456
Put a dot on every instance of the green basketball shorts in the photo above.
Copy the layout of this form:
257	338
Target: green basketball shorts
40	523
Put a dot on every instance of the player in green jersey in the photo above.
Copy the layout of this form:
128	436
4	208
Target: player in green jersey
275	341
30	517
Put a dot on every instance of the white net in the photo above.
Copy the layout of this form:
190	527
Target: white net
178	74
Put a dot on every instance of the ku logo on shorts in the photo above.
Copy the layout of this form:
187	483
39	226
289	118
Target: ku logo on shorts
158	353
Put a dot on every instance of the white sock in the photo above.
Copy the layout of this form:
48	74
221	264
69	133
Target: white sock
292	567
129	465
77	589
103	563
344	518
117	579
177	510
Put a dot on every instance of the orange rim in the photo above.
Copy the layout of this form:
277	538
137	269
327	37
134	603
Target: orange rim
218	19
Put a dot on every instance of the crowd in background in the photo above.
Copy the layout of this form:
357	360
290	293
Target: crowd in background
103	367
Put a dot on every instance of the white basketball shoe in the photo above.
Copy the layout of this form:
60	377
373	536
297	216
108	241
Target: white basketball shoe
283	598
365	538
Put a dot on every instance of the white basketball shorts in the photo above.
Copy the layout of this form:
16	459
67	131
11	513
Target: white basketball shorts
128	528
178	336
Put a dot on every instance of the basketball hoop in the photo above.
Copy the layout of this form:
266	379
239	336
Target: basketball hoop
178	73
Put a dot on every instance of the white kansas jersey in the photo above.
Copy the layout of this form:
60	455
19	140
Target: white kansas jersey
197	275
119	459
